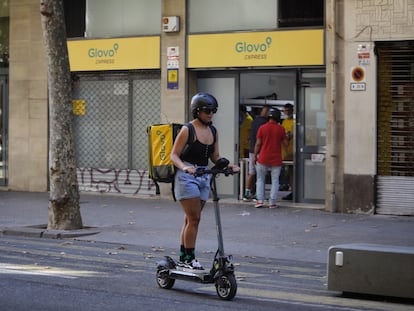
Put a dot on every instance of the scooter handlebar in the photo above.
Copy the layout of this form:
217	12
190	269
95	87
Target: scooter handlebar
214	171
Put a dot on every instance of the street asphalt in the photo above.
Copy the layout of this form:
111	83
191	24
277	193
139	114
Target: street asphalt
292	231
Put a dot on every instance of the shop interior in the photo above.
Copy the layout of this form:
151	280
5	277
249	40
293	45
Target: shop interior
273	89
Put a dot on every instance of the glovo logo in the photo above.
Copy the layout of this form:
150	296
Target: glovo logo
100	53
163	151
253	47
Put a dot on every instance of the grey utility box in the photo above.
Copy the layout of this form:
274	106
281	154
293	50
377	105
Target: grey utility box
372	269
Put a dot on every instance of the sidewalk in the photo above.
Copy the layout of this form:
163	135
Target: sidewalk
289	232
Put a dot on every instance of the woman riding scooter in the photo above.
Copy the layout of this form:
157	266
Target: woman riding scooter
191	191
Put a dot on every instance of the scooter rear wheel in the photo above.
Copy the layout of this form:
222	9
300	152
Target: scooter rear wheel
164	280
226	286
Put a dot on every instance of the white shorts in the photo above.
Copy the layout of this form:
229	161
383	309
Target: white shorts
252	167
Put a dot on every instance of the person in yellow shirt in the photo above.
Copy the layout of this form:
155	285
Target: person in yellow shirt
245	124
287	153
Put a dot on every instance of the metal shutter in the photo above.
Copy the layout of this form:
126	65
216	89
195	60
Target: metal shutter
395	141
110	135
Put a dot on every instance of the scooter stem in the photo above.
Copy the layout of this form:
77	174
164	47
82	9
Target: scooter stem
217	215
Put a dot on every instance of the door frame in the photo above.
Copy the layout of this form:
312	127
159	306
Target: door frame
307	78
4	100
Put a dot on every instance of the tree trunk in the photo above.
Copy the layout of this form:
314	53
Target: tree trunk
64	209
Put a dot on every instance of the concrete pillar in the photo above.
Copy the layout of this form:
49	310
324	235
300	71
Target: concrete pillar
28	110
173	101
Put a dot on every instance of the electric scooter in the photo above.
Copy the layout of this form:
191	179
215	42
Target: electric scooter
222	270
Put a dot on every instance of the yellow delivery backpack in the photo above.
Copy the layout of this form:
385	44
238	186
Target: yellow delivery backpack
161	139
160	142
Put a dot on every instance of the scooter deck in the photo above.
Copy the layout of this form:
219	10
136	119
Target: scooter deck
181	272
194	274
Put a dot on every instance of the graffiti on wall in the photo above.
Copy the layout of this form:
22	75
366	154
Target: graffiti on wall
119	181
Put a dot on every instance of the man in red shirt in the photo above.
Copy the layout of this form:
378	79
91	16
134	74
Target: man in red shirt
268	157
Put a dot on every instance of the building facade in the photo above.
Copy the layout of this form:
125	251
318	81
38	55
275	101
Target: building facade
372	83
346	66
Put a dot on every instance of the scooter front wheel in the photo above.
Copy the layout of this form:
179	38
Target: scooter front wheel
164	280
226	286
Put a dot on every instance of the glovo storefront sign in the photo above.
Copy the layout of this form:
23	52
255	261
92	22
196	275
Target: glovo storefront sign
114	54
278	48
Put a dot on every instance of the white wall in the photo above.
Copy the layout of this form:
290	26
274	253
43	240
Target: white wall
360	118
260	84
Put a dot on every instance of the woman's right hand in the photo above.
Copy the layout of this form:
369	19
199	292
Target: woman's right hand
189	170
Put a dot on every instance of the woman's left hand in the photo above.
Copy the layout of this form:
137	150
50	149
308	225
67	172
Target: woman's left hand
234	168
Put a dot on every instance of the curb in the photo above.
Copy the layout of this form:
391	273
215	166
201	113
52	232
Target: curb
41	231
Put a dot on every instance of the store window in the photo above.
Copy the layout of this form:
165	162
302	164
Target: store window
4	34
75	18
231	15
238	15
108	18
301	13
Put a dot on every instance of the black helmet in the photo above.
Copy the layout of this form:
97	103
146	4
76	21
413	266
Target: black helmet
202	100
274	114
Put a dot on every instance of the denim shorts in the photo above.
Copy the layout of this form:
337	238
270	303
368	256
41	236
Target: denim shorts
188	186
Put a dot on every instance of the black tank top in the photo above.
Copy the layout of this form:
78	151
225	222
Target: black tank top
197	152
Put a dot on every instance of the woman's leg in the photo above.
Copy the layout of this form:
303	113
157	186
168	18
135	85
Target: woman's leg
182	247
192	209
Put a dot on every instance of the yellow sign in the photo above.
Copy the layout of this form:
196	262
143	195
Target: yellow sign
114	54
173	75
79	107
172	79
277	48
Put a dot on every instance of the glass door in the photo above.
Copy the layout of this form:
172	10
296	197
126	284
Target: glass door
311	148
224	89
3	130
